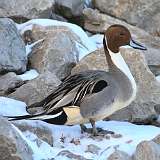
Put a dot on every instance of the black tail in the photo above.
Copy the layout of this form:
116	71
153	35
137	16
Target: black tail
58	118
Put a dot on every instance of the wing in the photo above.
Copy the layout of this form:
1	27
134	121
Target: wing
74	89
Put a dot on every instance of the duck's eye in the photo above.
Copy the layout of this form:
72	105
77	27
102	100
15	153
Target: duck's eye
121	34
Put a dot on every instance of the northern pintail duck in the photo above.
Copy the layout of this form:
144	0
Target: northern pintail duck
93	95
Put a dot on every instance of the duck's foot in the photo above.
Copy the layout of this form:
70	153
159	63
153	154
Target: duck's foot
94	131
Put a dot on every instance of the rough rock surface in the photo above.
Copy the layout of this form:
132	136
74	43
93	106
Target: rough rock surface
12	145
57	52
148	87
98	22
147	150
12	48
9	82
144	14
69	8
21	9
41	131
119	155
36	89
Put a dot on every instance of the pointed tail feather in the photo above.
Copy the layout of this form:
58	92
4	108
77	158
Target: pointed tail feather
41	116
15	118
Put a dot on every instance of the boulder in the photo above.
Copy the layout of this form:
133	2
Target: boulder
57	52
144	14
9	82
147	150
148	87
119	155
36	89
12	145
21	10
98	22
70	9
12	48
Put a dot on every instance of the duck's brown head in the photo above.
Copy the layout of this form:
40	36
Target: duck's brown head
117	36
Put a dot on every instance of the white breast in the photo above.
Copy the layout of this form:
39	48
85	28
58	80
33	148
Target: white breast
121	64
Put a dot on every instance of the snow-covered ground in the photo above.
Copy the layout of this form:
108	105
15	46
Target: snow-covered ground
131	135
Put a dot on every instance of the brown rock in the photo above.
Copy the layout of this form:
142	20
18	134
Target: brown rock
148	87
57	53
36	89
98	22
147	150
119	155
9	82
12	145
144	14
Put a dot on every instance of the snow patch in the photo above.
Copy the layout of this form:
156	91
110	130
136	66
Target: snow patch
11	107
29	75
158	78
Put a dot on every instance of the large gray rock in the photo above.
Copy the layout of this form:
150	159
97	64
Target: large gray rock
147	150
148	87
98	22
119	155
57	52
9	82
21	9
12	145
36	89
12	49
144	14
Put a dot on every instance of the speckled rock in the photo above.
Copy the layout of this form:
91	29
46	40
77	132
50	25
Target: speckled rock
36	89
23	10
98	22
12	145
144	14
12	48
147	150
57	52
9	82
